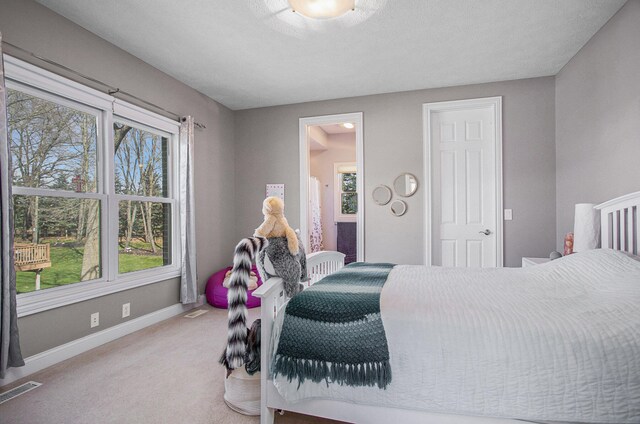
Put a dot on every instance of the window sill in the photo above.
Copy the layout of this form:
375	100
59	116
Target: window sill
35	302
344	218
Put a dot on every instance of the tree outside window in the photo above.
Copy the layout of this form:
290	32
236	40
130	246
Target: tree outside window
53	151
141	183
348	195
60	197
345	191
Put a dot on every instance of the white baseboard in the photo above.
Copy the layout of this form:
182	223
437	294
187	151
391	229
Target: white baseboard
60	353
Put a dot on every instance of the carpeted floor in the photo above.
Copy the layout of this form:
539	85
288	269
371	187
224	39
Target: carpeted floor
166	373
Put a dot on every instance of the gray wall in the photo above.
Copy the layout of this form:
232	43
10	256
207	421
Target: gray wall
598	118
35	28
571	139
267	152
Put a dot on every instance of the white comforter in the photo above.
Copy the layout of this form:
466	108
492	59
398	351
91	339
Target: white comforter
553	342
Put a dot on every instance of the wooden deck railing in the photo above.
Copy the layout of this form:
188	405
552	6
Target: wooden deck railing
29	257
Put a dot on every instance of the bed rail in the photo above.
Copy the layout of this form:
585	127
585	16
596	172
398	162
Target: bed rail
272	297
619	223
321	264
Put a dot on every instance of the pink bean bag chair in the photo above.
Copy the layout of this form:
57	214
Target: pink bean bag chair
217	293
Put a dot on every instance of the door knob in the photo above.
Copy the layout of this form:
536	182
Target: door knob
485	232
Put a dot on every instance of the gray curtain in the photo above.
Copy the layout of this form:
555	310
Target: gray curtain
10	355
188	284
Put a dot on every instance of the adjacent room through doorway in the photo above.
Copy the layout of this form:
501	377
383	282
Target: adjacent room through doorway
332	178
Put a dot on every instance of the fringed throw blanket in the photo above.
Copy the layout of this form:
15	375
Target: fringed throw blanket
333	331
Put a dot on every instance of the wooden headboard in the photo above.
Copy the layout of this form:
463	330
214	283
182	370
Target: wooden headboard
619	223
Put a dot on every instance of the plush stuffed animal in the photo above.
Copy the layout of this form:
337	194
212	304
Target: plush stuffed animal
235	352
275	260
252	361
276	225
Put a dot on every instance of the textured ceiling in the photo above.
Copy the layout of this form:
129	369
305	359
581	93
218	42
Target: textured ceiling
253	53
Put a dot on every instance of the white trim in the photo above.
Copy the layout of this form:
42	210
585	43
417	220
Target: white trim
134	116
60	353
137	198
427	110
625	201
619	225
145	117
110	214
38	82
304	124
26	73
53	97
48	192
55	297
34	76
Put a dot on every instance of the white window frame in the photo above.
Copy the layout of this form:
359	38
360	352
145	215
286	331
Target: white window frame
31	79
338	216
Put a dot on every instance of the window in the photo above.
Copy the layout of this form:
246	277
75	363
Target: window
54	162
93	190
346	202
141	186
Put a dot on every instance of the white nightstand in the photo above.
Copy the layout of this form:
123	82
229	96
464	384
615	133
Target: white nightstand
534	261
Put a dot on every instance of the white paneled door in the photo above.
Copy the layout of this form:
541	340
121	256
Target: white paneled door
464	142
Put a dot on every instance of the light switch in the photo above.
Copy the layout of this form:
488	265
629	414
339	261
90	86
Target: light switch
508	214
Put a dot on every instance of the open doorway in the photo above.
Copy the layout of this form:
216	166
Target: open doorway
332	185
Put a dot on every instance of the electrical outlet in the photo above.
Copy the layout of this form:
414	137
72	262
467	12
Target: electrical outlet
508	214
126	310
95	319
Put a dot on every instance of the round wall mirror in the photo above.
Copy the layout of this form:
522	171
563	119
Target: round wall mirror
398	207
382	195
405	185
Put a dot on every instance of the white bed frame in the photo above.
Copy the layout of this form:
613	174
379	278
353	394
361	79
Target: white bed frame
620	228
620	231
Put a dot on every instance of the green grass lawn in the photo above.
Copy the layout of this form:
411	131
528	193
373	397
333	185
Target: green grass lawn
66	265
128	262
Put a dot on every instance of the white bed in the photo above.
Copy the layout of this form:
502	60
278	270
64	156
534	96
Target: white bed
558	368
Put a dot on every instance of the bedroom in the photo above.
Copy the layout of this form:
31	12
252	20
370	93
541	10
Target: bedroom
571	132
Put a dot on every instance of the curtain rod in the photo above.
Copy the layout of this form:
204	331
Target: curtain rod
112	91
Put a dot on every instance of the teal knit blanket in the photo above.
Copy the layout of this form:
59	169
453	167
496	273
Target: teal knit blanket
333	331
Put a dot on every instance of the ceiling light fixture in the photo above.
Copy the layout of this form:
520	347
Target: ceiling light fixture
277	15
322	9
347	125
